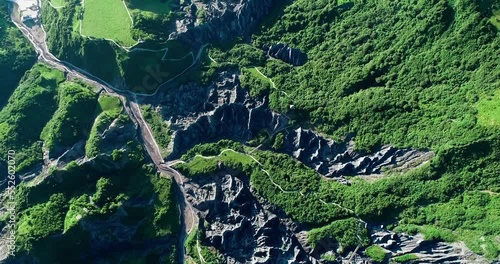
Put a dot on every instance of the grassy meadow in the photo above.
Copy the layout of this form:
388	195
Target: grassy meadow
107	19
58	3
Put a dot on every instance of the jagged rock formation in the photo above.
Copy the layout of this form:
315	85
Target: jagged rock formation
426	251
241	227
224	20
225	111
287	54
335	159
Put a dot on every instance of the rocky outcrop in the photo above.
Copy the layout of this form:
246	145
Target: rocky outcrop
224	110
224	21
287	54
228	121
117	135
336	159
238	225
397	244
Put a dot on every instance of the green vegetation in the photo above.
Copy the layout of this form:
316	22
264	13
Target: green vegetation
195	241
63	39
376	253
42	220
58	3
279	141
329	257
239	54
474	217
151	18
154	6
256	83
108	109
495	19
92	145
488	109
142	71
438	234
71	119
405	258
247	58
159	127
376	72
342	231
421	74
212	149
108	19
16	55
110	104
47	218
412	198
200	166
149	70
27	112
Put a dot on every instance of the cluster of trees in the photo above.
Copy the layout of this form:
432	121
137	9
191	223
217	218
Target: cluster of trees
93	144
239	54
407	73
103	58
388	72
71	120
344	231
159	126
41	220
257	86
100	57
152	27
195	241
50	212
16	54
26	114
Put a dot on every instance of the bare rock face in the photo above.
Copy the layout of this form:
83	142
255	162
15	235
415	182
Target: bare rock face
223	20
241	227
397	244
335	159
224	110
287	54
117	134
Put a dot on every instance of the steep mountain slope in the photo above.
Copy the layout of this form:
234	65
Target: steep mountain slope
297	131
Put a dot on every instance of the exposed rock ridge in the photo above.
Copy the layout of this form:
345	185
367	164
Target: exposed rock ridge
239	226
224	110
287	54
398	244
335	159
225	21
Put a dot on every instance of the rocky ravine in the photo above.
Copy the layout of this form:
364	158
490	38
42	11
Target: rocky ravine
238	225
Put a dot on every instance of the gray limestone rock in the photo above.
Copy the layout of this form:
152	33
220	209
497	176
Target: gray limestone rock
287	54
223	20
238	225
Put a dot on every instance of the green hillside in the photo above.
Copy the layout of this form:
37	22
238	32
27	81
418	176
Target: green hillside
401	72
16	55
